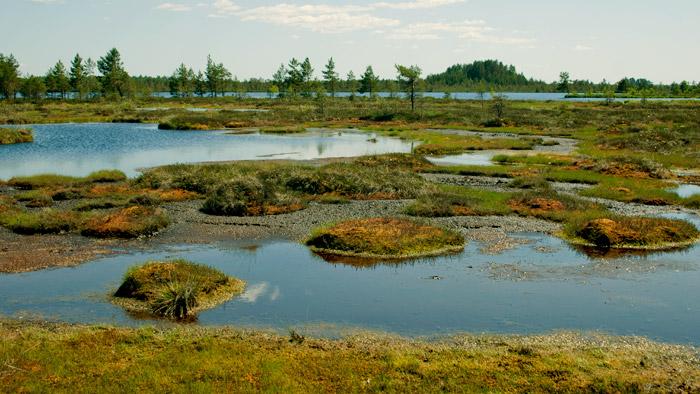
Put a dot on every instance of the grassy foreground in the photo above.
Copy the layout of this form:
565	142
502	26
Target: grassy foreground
61	358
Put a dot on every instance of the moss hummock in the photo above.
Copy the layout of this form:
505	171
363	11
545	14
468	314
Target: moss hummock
642	233
176	289
15	136
384	238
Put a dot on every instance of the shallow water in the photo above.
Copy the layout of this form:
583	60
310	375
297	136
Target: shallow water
467	159
78	149
536	287
686	191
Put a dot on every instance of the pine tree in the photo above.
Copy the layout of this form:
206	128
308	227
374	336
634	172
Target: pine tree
369	81
77	76
330	77
115	80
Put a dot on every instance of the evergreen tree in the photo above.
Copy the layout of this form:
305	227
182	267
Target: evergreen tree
33	88
369	81
217	77
330	77
92	84
57	80
77	76
307	78
182	82
9	76
351	83
409	77
115	80
563	85
200	84
279	78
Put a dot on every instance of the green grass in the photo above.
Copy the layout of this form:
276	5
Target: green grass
243	189
15	135
538	159
176	289
54	180
460	201
186	359
46	221
384	238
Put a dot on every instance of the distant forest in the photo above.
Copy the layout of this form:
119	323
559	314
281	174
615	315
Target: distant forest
107	77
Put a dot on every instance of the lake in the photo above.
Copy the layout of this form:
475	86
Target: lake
78	149
539	286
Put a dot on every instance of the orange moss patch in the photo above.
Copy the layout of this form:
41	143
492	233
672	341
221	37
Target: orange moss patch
175	195
129	222
536	206
107	190
384	238
269	209
629	232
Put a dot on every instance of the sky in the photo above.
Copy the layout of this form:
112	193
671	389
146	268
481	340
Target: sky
592	39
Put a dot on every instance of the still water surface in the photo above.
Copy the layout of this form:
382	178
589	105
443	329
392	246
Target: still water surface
78	149
539	286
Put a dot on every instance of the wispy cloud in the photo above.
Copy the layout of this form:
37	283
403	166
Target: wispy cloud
224	8
416	5
174	7
47	1
469	30
320	18
582	48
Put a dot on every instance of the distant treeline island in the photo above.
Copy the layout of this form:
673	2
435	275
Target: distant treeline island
107	77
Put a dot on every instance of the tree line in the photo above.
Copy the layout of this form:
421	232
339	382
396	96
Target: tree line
107	77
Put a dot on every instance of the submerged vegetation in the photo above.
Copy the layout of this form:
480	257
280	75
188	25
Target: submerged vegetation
176	289
15	136
384	238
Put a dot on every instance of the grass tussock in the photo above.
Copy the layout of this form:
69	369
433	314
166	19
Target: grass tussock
15	135
621	232
130	222
545	203
176	289
57	357
245	189
54	181
45	221
459	201
384	238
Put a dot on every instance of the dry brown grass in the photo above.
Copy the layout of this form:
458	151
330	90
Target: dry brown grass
384	238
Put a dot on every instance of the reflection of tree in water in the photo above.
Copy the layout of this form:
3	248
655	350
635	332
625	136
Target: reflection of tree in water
321	147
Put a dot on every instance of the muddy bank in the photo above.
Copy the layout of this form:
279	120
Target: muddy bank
190	226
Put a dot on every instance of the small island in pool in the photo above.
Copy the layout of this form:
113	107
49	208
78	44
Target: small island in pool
15	136
634	233
176	289
384	238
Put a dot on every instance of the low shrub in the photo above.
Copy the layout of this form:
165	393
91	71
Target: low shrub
47	221
131	222
632	232
15	135
175	289
384	238
105	176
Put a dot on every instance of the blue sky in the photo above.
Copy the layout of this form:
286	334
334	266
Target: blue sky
591	39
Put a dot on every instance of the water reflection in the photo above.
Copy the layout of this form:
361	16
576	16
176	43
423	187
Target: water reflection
78	149
521	290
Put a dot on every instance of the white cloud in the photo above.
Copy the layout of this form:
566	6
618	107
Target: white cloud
416	4
475	31
174	7
223	8
320	18
253	292
582	48
47	1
